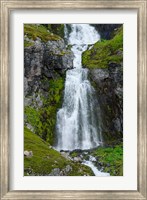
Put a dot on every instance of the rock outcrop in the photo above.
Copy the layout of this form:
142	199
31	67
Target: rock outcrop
105	63
46	60
106	31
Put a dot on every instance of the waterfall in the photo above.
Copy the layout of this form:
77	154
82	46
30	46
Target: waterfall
78	121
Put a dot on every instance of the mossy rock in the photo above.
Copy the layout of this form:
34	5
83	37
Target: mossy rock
34	31
57	29
105	52
45	159
43	119
28	43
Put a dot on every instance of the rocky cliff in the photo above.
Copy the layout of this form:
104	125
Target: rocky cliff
46	60
105	63
106	31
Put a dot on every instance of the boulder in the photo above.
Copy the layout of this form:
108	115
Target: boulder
55	172
28	154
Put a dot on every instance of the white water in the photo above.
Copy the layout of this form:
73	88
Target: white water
94	169
78	120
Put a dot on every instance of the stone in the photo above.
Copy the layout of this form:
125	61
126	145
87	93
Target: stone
108	84
28	154
65	155
27	101
106	30
93	159
99	74
44	61
39	101
77	159
55	172
117	124
29	126
25	85
68	168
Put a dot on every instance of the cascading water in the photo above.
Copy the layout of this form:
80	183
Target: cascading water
78	121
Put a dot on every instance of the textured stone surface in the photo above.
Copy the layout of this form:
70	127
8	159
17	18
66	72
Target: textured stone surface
28	154
48	60
43	62
109	86
106	31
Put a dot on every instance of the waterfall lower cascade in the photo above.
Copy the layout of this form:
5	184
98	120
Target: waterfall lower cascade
78	121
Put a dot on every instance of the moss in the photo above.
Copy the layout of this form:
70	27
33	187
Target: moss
44	119
111	158
74	154
28	44
33	116
45	159
57	29
32	31
104	52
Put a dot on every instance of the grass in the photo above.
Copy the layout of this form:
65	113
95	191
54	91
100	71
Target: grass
104	52
32	31
45	159
111	158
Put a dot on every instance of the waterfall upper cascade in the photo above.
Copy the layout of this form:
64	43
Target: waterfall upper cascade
78	121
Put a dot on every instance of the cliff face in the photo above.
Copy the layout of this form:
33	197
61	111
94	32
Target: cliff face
46	60
105	63
106	31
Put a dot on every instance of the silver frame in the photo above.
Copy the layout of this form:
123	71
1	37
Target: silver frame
141	6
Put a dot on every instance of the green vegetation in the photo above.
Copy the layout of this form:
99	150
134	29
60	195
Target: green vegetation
56	29
111	158
111	139
32	31
45	159
74	154
28	43
105	52
44	119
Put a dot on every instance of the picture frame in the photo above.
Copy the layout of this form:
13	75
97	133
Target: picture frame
141	7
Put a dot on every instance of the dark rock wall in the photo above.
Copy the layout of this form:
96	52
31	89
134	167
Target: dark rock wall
108	84
105	63
106	31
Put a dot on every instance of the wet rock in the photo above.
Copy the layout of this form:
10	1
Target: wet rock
93	159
